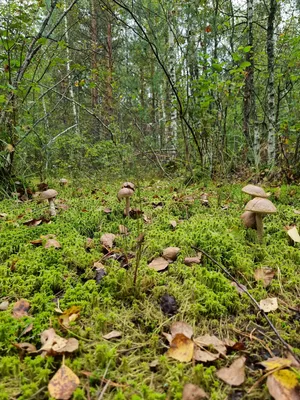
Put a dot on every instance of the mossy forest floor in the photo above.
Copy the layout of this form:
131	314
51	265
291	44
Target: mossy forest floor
49	278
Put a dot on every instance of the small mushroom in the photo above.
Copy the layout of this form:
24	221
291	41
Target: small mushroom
125	193
255	191
63	182
50	195
128	185
260	207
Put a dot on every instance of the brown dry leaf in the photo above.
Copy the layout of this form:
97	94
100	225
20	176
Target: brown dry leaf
168	336
37	242
269	304
294	234
265	274
27	329
193	392
235	374
147	219
21	308
173	224
294	363
33	222
4	305
123	230
211	341
52	243
55	344
112	335
181	327
240	288
107	240
107	210
181	348
27	347
204	355
63	383
284	385
69	315
192	260
159	264
171	253
275	363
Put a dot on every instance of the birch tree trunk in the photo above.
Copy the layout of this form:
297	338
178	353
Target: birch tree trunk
172	68
271	109
68	66
94	60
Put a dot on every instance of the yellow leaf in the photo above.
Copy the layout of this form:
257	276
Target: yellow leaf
275	363
181	348
283	385
63	383
294	234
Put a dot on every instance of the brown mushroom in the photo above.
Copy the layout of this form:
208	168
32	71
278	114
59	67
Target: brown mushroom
50	195
248	218
255	191
260	207
125	193
128	185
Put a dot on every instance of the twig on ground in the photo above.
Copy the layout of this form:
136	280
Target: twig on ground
285	344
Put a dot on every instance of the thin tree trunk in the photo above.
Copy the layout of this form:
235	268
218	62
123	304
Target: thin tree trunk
109	73
271	111
172	69
94	59
68	65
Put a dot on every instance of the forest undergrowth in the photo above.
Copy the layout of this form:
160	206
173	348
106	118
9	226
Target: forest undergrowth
70	282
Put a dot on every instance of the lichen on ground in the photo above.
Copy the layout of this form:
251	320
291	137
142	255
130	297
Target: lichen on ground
64	277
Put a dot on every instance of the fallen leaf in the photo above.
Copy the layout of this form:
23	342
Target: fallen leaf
147	219
4	305
284	385
171	253
153	365
21	308
181	327
240	288
100	272
192	260
27	329
265	274
135	213
211	341
52	243
159	264
204	355
37	242
27	347
123	230
112	335
294	234
33	222
269	304
54	344
3	215
181	348
173	224
297	212
107	240
275	363
69	315
193	392
235	374
107	210
294	363
63	383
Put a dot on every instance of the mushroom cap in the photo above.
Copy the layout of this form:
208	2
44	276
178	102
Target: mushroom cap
255	191
48	194
128	185
261	206
125	192
63	180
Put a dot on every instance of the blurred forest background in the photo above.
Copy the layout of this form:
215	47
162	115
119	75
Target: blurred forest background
206	88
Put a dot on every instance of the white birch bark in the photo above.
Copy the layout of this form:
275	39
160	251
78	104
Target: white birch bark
172	69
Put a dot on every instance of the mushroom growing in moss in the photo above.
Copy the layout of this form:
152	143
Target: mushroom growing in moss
255	191
260	207
128	185
125	193
50	195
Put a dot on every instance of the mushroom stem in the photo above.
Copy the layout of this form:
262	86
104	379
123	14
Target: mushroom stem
127	206
259	227
52	208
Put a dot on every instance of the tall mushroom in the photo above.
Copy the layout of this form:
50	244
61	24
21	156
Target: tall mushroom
255	191
63	182
260	207
126	193
50	195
